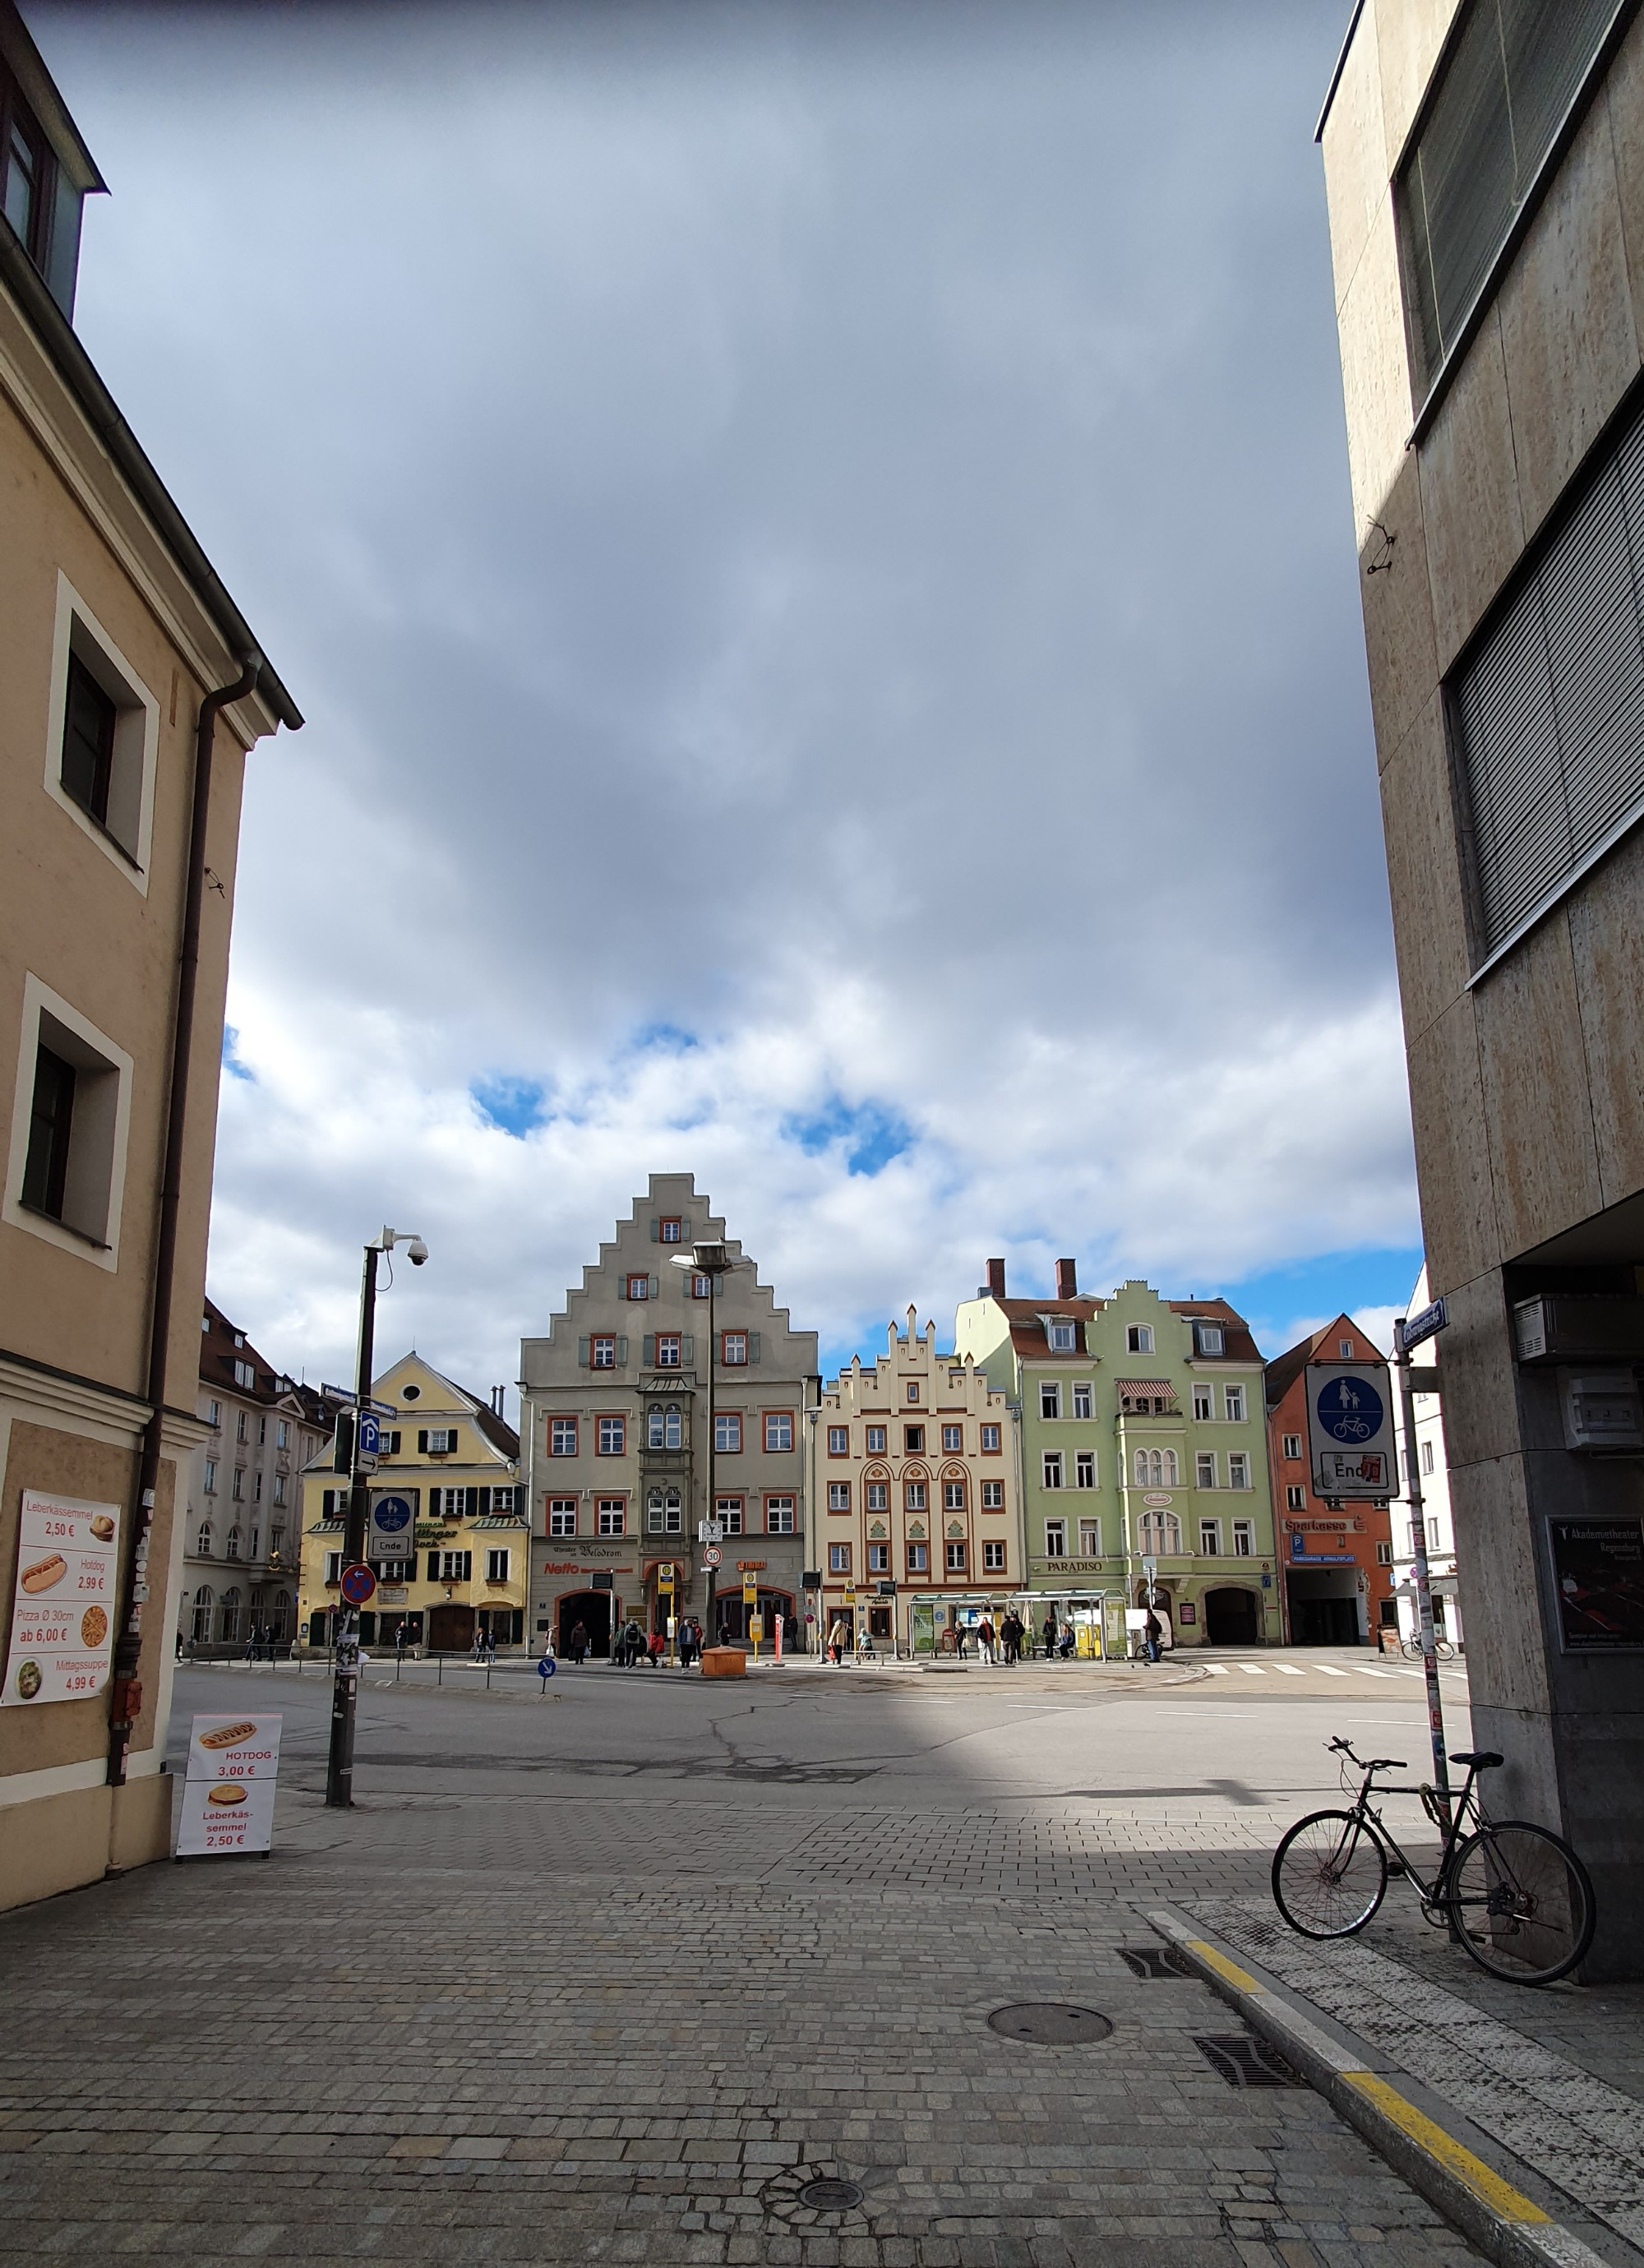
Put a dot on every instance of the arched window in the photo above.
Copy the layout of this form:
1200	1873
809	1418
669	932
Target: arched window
202	1542
1172	1470
1142	1468
231	1544
1161	1534
204	1600
653	1504
228	1616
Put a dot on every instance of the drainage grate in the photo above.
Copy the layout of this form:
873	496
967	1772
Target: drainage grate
1050	2024
1245	2062
830	2196
1154	1961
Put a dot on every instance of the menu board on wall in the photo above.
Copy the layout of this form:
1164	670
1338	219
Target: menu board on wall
63	1600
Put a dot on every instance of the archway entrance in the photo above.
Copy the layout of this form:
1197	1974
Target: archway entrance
592	1610
450	1629
1232	1617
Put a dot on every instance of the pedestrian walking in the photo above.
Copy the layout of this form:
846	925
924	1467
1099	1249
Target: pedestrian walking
1153	1630
180	1645
985	1641
1049	1633
686	1643
399	1642
837	1641
577	1644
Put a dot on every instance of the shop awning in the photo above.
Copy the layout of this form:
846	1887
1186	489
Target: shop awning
1152	1388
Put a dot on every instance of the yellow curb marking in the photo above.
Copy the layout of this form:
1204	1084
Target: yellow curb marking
1228	1971
1500	2195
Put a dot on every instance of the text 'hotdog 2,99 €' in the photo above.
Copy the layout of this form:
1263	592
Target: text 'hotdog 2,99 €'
63	1607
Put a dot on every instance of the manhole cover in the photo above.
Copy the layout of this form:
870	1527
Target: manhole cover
1244	2062
1154	1961
828	2196
1050	2024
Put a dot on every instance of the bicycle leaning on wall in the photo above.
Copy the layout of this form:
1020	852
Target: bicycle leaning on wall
1516	1894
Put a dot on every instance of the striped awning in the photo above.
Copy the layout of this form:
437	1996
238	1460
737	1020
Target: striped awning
1150	1389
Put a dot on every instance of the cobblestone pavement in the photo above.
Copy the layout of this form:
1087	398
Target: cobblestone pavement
505	2015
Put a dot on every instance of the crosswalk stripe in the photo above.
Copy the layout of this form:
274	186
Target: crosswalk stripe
1366	1671
1288	1669
1325	1670
1217	1669
1252	1669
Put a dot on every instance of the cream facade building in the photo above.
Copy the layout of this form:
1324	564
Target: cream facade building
127	710
915	1502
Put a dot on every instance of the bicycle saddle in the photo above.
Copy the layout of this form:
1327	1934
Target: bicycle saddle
1479	1759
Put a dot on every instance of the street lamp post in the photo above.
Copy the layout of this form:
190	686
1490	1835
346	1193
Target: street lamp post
711	1259
345	1688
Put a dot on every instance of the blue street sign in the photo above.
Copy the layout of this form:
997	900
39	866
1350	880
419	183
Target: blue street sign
1416	1328
393	1519
1350	1410
369	1443
546	1668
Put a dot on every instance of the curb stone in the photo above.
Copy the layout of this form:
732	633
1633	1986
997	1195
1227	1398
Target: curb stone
1501	2221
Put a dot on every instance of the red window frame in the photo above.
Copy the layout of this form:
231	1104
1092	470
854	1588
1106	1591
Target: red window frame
773	1417
727	1360
840	1488
674	1361
994	1448
996	1502
596	1340
618	1418
555	1425
643	1282
838	1440
675	1223
918	1559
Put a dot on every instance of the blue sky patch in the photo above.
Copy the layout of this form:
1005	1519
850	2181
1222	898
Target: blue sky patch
231	1063
1334	1283
870	1133
513	1105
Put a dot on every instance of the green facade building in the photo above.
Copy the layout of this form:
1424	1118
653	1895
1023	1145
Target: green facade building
1143	1438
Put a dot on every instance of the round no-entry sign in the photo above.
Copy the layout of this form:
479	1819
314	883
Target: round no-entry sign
357	1583
711	1556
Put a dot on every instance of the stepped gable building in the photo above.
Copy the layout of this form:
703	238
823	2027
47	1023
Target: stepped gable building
1337	1561
241	1548
452	1462
915	1498
613	1422
131	690
1141	1440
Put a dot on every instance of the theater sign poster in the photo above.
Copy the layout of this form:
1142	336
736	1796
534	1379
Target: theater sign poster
1598	1579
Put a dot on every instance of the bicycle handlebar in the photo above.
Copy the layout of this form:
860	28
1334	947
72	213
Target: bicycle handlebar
1369	1764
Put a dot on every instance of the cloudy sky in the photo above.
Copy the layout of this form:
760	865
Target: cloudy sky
813	543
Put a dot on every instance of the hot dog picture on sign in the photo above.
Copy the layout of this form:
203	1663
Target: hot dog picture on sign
63	1604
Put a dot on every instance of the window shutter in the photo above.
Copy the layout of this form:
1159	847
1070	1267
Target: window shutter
688	1350
753	1346
328	1502
433	1567
656	1232
485	1502
622	1354
467	1566
621	1287
582	1354
434	1495
649	1356
422	1442
656	1287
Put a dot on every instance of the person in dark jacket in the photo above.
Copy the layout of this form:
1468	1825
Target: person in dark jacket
577	1644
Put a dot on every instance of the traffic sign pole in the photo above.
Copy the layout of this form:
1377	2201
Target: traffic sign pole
1419	1569
345	1688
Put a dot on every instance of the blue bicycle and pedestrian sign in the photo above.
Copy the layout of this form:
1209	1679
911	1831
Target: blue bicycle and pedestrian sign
1350	1430
392	1533
1351	1411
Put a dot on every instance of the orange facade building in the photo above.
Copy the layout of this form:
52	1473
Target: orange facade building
1336	1562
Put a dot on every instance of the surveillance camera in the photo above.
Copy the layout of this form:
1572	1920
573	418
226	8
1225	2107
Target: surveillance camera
417	1252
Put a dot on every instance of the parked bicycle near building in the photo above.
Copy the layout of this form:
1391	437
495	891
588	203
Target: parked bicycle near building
1410	1647
1516	1894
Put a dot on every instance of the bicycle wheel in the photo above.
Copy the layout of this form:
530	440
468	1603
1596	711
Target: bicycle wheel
1522	1902
1330	1874
1410	1648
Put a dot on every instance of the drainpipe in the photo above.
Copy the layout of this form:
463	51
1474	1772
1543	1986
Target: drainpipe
126	1700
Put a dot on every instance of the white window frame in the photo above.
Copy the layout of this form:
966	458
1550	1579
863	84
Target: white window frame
561	1516
838	1496
1295	1497
957	1555
1235	1405
953	1441
781	1516
1085	1468
992	1440
781	1423
1138	1338
1056	1539
838	1440
611	1516
728	1510
878	1496
1051	1469
566	1429
1244	1539
78	631
1238	1469
838	1558
993	1496
496	1562
1089	1536
1291	1448
1204	1468
879	1558
98	1138
1050	1397
1210	1539
1204	1404
731	1422
1084	1398
1062	1336
876	1439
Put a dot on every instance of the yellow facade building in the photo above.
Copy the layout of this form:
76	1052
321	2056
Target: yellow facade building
453	1465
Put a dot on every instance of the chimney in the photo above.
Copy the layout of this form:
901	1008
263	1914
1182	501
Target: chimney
1066	1280
995	1279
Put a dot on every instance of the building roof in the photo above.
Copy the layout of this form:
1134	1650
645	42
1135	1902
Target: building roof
1284	1369
1241	1347
1026	1318
223	1345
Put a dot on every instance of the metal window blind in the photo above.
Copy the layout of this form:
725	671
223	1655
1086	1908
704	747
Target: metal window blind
1550	711
1515	69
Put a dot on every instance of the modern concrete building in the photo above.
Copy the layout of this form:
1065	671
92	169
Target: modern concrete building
914	1496
240	1548
128	705
1336	1560
1142	1440
1431	1462
452	1462
1485	167
613	1405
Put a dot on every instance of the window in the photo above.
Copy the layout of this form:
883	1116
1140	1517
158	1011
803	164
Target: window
611	1515
778	1515
1156	1468
701	1287
1085	1470
611	1440
953	1441
210	1476
727	1433
727	1510
1433	1535
562	1437
879	1558
993	1496
437	1441
838	1440
913	1389
1084	1405
990	1440
242	1430
670	1230
1291	1447
1295	1498
263	1432
1209	1339
1238	1471
228	1616
913	1495
449	1566
665	1426
838	1558
838	1496
69	1134
1090	1539
1050	1398
670	1351
1050	1466
1138	1338
876	1440
561	1515
1343	1348
1204	1469
1233	1403
497	1566
603	1351
1063	1335
276	1542
1426	1457
204	1600
1511	78
1384	1555
953	1496
504	1500
238	1491
957	1555
333	1569
913	1439
1204	1404
214	1413
878	1496
994	1558
664	1512
637	1287
778	1431
203	1541
1056	1539
1243	1539
918	1559
27	171
733	1349
1159	1533
1210	1538
102	738
282	1435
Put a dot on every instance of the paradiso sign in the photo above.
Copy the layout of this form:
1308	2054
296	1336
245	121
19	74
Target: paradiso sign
1350	1431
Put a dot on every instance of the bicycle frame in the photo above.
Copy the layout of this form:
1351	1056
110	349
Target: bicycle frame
1468	1813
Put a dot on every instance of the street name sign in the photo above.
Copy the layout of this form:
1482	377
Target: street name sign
1350	1430
1424	1325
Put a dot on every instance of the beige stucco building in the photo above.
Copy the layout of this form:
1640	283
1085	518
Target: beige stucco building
1485	168
914	1496
113	631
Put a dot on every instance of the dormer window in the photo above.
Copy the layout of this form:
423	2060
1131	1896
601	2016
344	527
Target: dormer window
27	162
44	176
1062	1335
1209	1339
